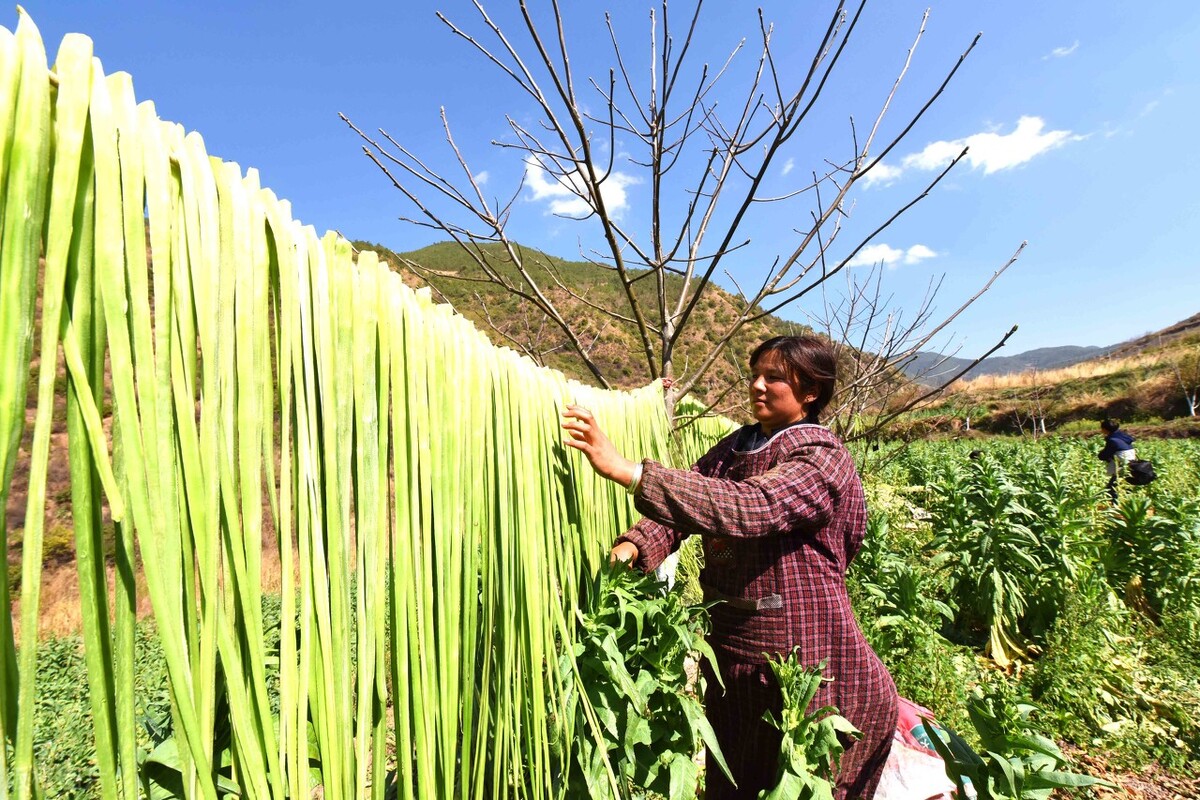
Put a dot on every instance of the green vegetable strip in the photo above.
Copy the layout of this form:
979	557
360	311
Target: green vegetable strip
292	730
308	497
253	732
151	425
74	61
10	75
320	647
25	181
85	485
110	265
402	582
25	211
197	285
377	613
367	496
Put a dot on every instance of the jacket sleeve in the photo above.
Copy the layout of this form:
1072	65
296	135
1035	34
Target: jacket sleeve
655	540
1109	450
799	494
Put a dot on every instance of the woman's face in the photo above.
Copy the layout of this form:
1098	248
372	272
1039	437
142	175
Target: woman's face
772	400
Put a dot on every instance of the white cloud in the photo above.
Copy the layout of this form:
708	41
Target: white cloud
482	178
788	165
881	173
889	256
918	253
1062	52
563	192
994	151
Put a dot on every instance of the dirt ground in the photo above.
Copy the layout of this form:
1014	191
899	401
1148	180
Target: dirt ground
1152	783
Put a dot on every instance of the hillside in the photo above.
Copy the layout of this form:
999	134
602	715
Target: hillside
1048	387
932	368
615	348
1185	329
928	367
1144	382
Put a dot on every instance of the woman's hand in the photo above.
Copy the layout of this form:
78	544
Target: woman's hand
589	438
623	553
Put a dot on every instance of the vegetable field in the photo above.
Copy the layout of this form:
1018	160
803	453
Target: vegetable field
1009	576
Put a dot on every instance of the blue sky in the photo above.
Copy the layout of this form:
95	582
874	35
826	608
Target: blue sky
1078	117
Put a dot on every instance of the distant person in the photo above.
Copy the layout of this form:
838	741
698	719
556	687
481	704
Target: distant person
1116	454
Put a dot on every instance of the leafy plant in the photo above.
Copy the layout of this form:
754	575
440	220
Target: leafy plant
1154	545
1016	763
811	748
994	559
631	704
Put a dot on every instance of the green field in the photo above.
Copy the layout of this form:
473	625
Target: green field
1012	573
1009	578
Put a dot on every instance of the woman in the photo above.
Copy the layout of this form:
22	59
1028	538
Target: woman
781	511
1117	452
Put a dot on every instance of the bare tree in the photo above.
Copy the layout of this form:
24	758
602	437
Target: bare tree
1037	410
876	346
1186	368
716	156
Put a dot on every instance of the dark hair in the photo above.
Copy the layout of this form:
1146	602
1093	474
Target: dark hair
1110	425
810	364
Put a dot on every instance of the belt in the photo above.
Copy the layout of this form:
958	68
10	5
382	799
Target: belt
771	601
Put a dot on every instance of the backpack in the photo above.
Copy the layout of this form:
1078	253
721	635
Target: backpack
1141	472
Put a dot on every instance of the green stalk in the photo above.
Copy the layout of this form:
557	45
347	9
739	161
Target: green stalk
401	585
85	489
110	264
293	698
10	76
25	182
367	496
242	635
197	285
307	496
25	211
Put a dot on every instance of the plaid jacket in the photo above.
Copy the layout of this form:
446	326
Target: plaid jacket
786	519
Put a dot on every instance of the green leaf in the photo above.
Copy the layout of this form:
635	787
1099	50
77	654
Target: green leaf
699	722
1006	770
1064	780
789	787
684	776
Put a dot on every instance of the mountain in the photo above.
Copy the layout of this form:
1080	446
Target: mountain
932	368
1149	381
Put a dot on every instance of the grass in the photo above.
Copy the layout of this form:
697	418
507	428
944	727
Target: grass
65	752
